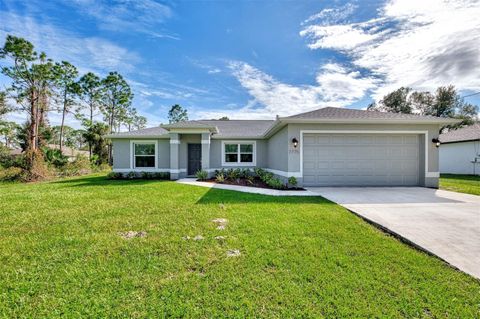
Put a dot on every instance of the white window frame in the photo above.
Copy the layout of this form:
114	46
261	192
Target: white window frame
132	154
238	163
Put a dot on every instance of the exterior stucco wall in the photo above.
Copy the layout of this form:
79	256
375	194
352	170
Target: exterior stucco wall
456	158
429	179
122	153
278	151
216	153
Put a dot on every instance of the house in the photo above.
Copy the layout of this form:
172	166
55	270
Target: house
460	151
326	147
69	152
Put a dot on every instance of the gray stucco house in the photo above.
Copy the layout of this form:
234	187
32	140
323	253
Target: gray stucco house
325	147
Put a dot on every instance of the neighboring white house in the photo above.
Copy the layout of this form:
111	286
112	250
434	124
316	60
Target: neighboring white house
460	151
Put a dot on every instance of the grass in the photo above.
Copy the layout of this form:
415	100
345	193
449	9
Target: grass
61	256
469	184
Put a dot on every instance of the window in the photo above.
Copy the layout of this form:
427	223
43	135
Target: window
238	153
144	155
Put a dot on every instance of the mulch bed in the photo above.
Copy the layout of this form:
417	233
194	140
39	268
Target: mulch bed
256	183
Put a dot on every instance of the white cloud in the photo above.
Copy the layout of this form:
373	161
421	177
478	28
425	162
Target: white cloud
335	86
421	44
145	16
87	53
332	15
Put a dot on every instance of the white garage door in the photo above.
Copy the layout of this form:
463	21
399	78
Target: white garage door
360	159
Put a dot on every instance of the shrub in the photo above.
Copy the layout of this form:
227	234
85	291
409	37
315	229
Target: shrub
245	173
292	181
275	183
220	178
114	175
250	179
54	157
161	175
131	175
12	174
147	175
201	175
233	174
79	166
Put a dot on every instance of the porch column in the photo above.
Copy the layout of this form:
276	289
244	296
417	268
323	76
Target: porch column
206	152
174	155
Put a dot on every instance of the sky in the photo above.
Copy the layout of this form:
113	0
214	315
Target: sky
256	59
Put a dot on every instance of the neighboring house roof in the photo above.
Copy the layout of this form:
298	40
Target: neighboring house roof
265	128
68	151
15	151
469	133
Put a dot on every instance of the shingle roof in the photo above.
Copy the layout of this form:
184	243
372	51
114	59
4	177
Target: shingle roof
342	113
151	131
240	128
469	133
260	128
187	124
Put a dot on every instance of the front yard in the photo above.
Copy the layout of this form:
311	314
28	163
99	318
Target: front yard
62	255
468	184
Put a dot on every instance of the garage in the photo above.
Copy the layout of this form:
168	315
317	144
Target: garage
360	159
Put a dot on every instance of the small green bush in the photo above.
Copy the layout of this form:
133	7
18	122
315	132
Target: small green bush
12	174
220	178
250	179
114	175
275	183
201	175
131	175
292	181
54	157
161	175
233	174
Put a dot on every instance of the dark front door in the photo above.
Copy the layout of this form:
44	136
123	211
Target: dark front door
194	158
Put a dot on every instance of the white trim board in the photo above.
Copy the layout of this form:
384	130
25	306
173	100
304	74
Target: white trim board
425	133
152	170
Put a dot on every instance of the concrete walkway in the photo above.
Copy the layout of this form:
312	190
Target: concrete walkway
443	223
244	189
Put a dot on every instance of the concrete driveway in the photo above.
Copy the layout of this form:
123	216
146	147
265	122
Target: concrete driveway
444	223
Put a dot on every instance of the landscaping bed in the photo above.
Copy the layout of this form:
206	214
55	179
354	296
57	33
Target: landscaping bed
257	177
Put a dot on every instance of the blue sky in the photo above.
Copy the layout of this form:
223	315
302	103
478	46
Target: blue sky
256	59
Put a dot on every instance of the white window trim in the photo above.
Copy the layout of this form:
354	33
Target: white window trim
238	163
132	155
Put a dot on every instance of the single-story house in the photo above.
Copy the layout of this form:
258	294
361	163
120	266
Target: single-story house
326	147
460	151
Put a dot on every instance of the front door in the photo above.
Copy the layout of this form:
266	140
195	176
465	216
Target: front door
194	158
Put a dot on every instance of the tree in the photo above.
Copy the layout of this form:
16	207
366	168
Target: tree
95	136
446	102
139	122
117	98
396	102
32	78
91	93
4	108
8	130
177	114
224	118
65	80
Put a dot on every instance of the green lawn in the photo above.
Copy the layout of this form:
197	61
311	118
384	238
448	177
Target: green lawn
61	256
469	184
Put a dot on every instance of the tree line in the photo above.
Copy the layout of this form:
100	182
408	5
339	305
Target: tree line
40	85
444	102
